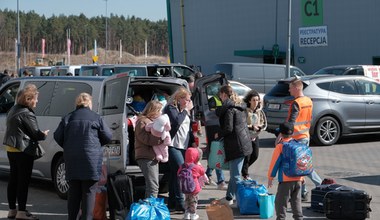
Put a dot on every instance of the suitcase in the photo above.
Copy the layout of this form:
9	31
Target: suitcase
318	194
347	204
120	195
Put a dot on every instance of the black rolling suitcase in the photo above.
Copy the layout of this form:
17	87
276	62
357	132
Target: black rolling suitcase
318	194
120	195
347	204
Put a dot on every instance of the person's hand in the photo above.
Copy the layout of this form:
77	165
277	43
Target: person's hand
189	106
216	136
46	132
270	183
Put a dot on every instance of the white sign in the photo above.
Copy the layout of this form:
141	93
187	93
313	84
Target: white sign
313	36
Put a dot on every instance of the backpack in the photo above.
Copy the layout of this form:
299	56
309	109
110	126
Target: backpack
185	178
296	159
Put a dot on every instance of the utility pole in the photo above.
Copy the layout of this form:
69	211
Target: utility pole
288	54
18	38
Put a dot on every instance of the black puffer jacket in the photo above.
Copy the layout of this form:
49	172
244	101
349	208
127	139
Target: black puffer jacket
234	130
22	128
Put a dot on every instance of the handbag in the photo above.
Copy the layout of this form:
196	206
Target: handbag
217	156
34	149
149	209
216	211
266	202
247	196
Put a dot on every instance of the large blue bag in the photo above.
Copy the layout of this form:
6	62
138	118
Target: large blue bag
217	156
149	209
296	159
247	196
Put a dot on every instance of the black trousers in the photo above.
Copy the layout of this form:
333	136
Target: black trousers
81	195
250	159
21	166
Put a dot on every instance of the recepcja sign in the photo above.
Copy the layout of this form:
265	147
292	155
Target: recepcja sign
313	36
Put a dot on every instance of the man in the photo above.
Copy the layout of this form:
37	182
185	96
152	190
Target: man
300	115
4	77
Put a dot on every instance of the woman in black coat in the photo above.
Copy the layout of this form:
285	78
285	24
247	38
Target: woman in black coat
81	134
22	128
237	142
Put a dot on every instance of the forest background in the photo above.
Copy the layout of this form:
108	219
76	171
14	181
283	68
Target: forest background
131	35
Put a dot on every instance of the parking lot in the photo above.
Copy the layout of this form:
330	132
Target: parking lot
353	162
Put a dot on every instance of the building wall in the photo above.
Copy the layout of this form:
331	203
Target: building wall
214	29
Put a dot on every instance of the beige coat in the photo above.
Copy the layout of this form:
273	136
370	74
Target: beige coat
144	140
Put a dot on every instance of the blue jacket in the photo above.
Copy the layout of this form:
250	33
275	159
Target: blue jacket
81	134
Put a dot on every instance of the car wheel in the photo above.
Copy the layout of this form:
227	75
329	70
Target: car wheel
60	184
327	131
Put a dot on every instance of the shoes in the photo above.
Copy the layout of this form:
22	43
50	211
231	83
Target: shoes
211	182
222	186
25	215
247	178
304	197
186	216
194	216
191	216
227	202
12	213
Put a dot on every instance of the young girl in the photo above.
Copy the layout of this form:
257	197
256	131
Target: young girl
193	156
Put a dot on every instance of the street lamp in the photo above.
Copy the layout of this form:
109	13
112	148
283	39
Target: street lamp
105	56
18	38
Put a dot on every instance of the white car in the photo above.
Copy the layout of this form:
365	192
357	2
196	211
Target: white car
242	89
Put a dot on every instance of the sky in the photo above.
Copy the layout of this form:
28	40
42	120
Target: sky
153	10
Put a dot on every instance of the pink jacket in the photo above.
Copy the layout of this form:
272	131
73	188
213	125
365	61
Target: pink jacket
192	156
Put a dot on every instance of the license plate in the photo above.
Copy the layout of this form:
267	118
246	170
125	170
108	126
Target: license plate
114	150
274	106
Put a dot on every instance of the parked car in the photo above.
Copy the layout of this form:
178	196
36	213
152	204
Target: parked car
259	76
64	70
342	106
159	70
112	98
241	89
371	71
35	70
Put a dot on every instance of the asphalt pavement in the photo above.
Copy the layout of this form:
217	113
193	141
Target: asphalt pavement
353	162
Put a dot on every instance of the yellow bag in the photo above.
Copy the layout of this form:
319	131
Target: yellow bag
218	211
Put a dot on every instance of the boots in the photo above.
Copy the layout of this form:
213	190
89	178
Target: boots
12	213
25	215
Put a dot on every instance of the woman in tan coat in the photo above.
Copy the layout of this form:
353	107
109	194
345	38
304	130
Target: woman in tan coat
144	142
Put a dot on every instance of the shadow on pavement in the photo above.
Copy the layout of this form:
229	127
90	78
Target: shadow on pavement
372	180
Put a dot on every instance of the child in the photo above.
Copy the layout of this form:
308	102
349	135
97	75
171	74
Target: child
192	157
289	188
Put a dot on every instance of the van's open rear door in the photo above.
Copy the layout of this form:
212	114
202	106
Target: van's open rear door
113	108
205	88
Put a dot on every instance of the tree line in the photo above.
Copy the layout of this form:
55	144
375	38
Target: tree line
132	31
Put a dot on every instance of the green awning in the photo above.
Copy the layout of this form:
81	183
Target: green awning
258	53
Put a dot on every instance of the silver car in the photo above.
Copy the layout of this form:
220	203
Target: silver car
342	106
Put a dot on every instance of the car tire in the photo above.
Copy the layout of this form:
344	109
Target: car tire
327	131
59	178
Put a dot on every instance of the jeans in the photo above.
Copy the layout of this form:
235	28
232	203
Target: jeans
235	173
314	175
219	174
150	171
176	159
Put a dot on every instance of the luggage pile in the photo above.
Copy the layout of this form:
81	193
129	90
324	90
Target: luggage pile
340	202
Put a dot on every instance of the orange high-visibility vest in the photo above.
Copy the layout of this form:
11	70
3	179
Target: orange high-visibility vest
303	120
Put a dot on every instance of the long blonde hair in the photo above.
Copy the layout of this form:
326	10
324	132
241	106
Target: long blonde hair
180	93
152	110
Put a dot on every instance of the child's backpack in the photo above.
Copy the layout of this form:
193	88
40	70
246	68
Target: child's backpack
185	178
296	159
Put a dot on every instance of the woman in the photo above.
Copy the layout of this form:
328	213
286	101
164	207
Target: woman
178	110
234	131
257	122
144	153
22	128
81	134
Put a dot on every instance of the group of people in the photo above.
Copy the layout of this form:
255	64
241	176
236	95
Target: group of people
240	123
